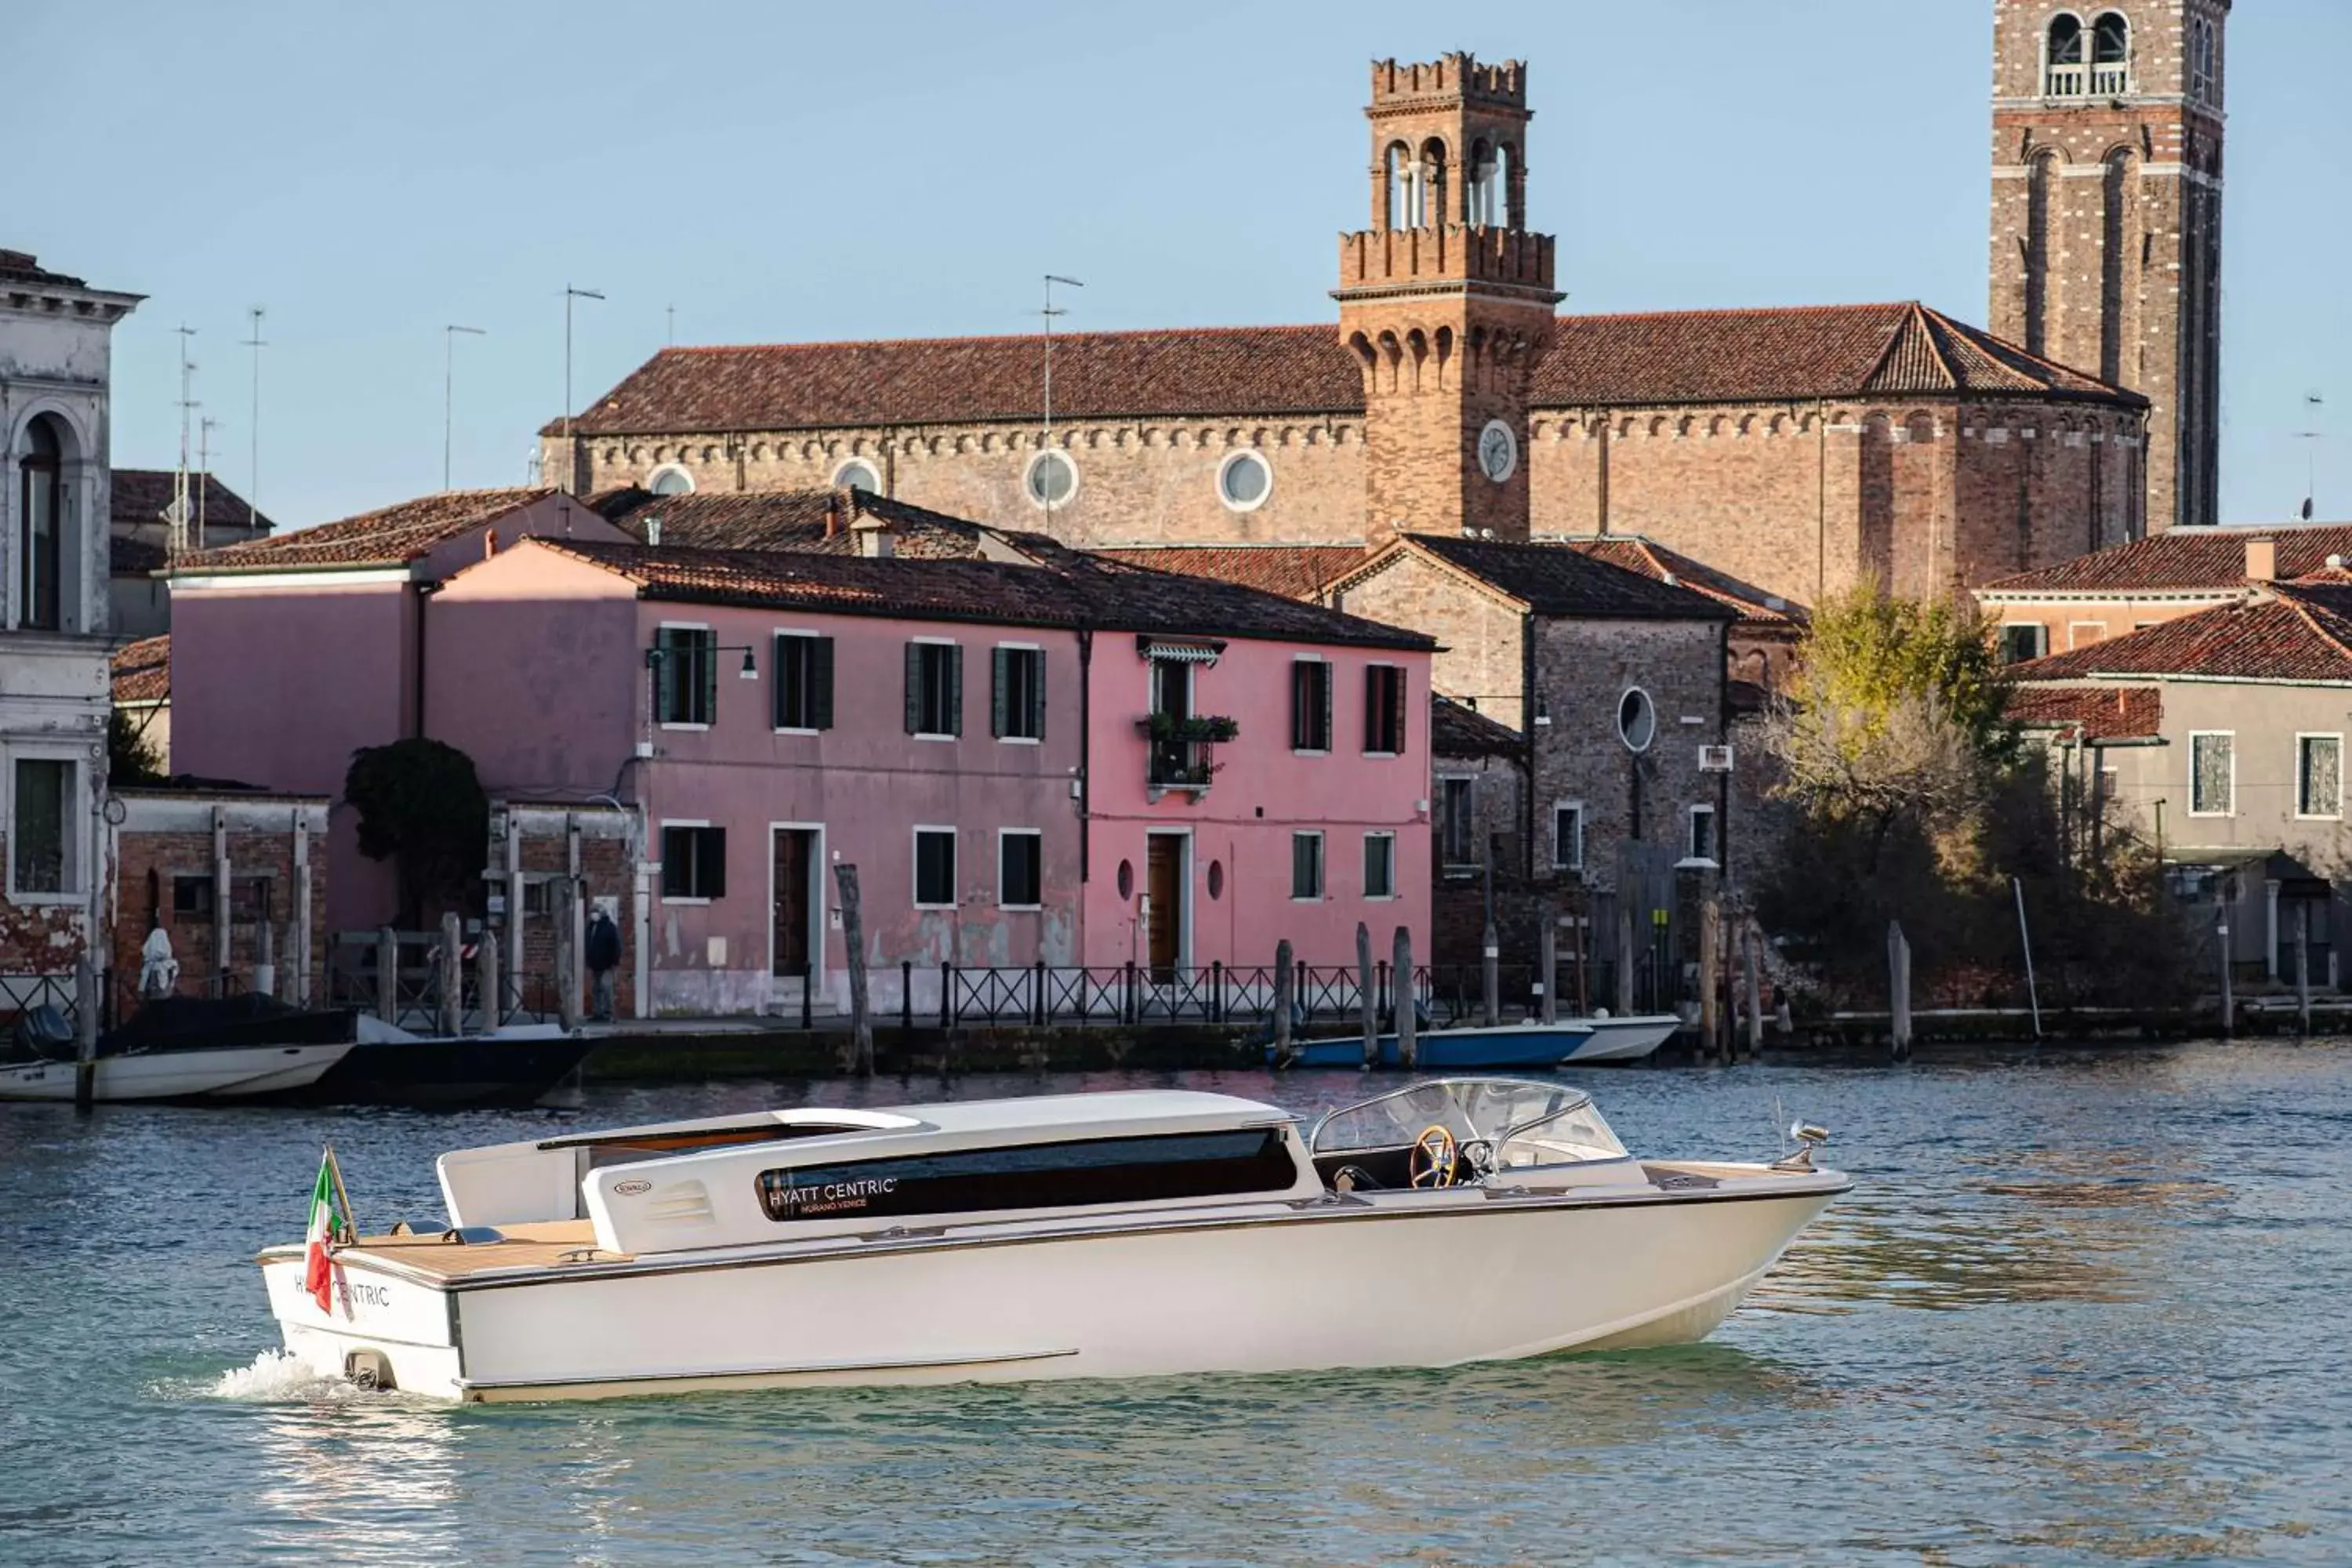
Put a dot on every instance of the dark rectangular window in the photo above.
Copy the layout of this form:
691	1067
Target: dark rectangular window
934	688
1568	838
1702	833
1035	1177
1021	869
1306	865
935	866
804	681
1384	710
686	674
192	899
1017	701
1310	705
1457	821
1380	865
2021	640
694	862
40	841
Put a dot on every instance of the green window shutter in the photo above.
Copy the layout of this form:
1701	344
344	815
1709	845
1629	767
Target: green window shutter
1000	662
706	650
955	689
820	684
1397	708
1371	709
1325	684
1297	706
780	648
1037	694
913	687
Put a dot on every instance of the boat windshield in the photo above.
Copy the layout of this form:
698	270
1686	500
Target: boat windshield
1524	1121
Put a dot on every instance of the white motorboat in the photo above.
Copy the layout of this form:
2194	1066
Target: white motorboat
1624	1039
1120	1234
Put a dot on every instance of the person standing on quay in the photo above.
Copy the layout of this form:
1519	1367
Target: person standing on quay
603	956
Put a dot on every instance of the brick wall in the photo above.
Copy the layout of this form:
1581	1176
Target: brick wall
544	851
166	841
1479	660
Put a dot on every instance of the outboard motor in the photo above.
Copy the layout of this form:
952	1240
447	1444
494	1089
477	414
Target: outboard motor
43	1032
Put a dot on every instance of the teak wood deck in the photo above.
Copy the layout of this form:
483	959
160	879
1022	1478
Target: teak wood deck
546	1244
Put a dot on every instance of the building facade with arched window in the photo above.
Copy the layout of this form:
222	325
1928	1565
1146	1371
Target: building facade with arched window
55	337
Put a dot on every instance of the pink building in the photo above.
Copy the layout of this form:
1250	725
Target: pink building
1078	765
291	652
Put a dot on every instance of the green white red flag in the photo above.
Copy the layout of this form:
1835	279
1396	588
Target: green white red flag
327	1223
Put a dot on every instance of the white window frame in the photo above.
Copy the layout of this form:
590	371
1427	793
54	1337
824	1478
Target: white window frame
927	734
1322	865
1330	700
659	675
1617	719
1238	456
2074	630
1691	814
76	816
1029	470
2040	641
661	867
856	461
1039	649
1437	826
1394	892
1001	835
778	675
2232	736
680	470
2300	737
915	865
1578	863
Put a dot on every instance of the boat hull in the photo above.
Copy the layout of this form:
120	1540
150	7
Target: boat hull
229	1072
510	1068
1530	1045
1624	1039
1335	1285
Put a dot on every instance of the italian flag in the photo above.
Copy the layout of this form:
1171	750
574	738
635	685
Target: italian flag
326	1225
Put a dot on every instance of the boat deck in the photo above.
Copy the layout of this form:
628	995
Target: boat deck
546	1244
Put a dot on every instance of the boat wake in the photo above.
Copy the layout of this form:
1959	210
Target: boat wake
277	1377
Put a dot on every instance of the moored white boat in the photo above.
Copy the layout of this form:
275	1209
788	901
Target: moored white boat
1624	1040
1109	1235
227	1072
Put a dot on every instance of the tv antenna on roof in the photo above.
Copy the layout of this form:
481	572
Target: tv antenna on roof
252	478
205	428
1045	479
449	388
2312	404
179	513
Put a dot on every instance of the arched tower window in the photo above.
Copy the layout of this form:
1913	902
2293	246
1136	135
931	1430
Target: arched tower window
1507	212
1397	210
2200	60
41	527
1483	186
1432	184
2063	75
2110	54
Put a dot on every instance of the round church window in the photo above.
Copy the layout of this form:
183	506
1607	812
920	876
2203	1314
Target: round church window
1637	719
671	480
1052	478
1243	481
857	474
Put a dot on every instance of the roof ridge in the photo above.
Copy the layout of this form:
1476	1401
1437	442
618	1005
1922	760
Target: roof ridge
1061	338
2310	613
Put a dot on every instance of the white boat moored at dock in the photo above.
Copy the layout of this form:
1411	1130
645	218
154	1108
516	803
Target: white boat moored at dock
1120	1234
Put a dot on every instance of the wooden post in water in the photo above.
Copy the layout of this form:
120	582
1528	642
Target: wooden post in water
387	974
452	973
1408	1026
1624	954
1368	1004
265	957
853	937
485	980
567	954
1898	975
1282	983
2303	967
1710	967
1751	991
85	1032
1490	977
1547	964
2228	989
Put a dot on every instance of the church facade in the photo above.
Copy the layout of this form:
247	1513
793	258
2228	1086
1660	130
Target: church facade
1797	449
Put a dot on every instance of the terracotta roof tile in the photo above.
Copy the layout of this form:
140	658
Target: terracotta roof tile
798	521
1294	571
2183	559
143	670
393	536
1458	730
2099	712
1075	592
1756	609
19	266
1832	351
2294	632
140	496
1560	580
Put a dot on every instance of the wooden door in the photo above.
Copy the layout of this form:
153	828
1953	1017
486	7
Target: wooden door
1164	881
795	851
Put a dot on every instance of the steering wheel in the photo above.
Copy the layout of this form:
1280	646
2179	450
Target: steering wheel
1434	1158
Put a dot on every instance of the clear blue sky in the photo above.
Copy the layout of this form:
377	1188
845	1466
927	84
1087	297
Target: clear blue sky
791	171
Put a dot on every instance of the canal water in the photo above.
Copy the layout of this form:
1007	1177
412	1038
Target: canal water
2082	1309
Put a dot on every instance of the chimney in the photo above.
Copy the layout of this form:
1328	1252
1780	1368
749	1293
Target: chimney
489	542
874	538
653	530
832	515
2262	561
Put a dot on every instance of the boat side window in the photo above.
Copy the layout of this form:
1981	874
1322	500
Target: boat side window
1036	1176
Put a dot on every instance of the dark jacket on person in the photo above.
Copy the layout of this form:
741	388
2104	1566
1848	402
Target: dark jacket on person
604	944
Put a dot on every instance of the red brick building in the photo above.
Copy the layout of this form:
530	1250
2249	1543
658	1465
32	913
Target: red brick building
1796	449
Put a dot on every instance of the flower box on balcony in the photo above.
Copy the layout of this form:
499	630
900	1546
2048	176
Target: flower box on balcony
1198	729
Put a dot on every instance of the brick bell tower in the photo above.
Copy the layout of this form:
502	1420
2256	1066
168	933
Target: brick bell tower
2107	215
1446	300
